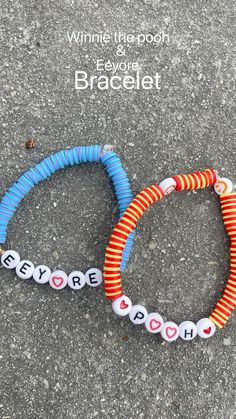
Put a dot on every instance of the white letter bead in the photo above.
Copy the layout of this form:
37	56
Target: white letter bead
10	259
25	269
168	185
58	280
93	277
187	330
76	280
122	305
138	314
170	331
205	328
223	185
41	274
154	323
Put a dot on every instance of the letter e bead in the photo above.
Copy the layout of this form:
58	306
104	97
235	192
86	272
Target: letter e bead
10	259
25	269
93	277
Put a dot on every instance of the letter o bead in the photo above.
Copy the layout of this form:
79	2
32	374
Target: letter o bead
10	259
25	269
138	314
187	330
122	305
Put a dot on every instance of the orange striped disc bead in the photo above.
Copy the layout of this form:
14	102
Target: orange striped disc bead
196	180
138	314
111	270
227	303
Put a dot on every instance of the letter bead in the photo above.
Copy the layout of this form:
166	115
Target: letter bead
205	328
168	185
154	322
112	270
138	314
25	269
187	330
58	280
102	154
76	280
93	277
223	185
41	274
170	331
10	259
122	305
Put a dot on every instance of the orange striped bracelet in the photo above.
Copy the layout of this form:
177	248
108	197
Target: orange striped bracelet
138	314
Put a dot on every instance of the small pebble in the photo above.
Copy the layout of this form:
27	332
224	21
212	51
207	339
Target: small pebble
227	341
30	143
46	384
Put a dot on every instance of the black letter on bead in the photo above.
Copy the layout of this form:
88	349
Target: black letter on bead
139	315
24	267
76	280
8	259
92	278
186	333
41	273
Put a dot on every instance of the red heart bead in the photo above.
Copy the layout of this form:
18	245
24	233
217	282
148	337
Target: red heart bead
155	324
57	281
207	331
123	304
171	332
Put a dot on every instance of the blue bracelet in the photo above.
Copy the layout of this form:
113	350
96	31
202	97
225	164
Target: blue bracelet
14	195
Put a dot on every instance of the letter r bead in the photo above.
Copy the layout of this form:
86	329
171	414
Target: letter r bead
76	280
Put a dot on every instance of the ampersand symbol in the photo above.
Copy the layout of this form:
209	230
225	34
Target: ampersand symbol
120	51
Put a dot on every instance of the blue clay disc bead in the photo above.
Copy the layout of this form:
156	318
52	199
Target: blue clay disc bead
60	160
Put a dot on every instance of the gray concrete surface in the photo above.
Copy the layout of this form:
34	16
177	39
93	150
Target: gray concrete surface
64	354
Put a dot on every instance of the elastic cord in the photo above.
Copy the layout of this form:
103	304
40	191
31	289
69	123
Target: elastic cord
70	157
